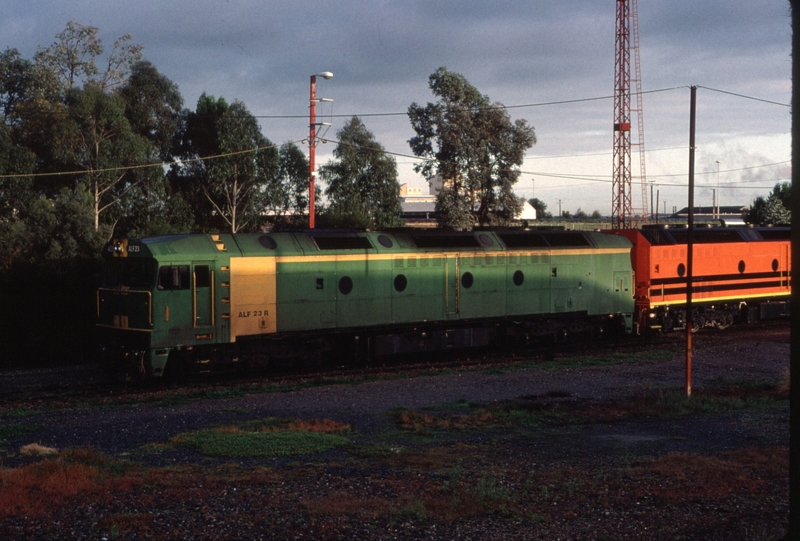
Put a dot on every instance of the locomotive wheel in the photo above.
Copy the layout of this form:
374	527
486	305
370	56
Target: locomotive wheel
725	321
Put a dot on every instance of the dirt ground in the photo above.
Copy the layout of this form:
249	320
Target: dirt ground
602	446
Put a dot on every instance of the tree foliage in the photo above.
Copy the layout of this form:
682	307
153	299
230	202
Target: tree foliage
83	138
96	139
541	208
473	147
153	106
361	180
228	188
73	57
774	210
285	196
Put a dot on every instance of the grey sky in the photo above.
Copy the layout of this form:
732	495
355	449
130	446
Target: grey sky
517	52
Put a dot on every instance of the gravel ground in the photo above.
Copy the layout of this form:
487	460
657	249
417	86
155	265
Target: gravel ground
709	476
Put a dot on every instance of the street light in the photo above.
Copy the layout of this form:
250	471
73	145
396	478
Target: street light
312	140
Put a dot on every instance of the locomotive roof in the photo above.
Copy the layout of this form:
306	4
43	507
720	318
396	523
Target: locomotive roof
310	242
705	235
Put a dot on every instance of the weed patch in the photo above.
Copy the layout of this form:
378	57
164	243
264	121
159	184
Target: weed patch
412	509
688	475
33	489
414	421
378	450
272	437
711	400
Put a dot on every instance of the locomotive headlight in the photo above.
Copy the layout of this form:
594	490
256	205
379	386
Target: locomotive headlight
651	315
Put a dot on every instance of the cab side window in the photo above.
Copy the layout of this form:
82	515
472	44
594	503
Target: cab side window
201	276
173	277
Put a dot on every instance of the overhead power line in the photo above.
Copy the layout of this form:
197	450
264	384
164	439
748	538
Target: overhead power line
140	166
746	97
519	106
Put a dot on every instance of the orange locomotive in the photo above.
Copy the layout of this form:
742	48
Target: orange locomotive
739	275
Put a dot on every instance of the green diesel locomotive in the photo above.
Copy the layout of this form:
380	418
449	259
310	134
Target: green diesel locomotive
192	303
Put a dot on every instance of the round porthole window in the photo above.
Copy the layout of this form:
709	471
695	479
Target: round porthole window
467	280
267	242
518	278
681	270
486	240
400	282
741	267
345	285
775	265
385	241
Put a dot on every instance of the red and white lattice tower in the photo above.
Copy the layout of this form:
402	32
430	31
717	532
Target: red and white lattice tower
627	39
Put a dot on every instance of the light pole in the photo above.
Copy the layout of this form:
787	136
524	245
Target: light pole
312	142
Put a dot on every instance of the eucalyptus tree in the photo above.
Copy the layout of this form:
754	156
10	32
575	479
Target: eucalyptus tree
285	196
32	103
17	199
73	57
153	106
362	178
473	146
227	164
96	141
62	108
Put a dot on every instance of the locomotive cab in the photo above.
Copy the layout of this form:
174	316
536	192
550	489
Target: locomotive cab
150	305
125	306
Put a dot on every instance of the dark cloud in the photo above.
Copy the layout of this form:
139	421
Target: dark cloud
515	51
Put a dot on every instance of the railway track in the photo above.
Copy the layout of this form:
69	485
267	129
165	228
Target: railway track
50	387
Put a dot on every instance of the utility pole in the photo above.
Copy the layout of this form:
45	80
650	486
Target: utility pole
690	243
717	194
656	207
714	204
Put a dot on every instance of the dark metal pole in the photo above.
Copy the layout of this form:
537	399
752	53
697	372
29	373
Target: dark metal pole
657	194
793	534
690	244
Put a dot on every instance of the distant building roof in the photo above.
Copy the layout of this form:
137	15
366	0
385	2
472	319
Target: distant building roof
424	209
727	210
